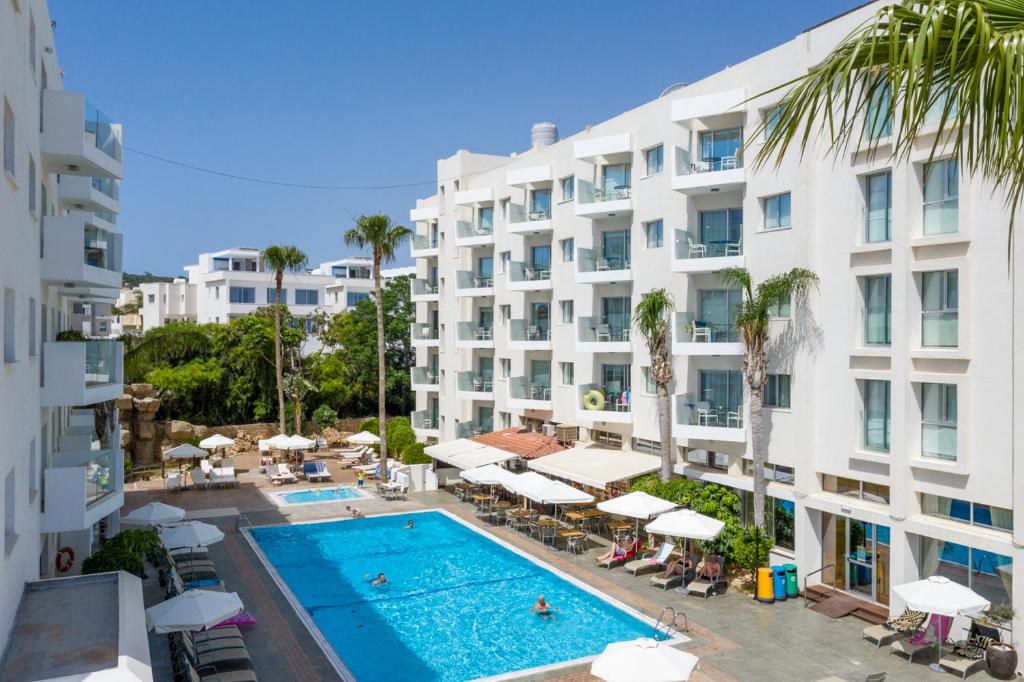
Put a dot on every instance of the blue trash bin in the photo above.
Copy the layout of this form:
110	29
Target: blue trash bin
779	582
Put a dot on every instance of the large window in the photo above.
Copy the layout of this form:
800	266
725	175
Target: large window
878	209
540	204
941	197
568	250
353	298
878	310
776	392
779	517
877	414
722	390
940	294
568	186
306	296
655	234
242	295
719	229
272	295
987	573
973	513
655	159
615	180
777	211
540	258
938	421
717	314
615	378
720	149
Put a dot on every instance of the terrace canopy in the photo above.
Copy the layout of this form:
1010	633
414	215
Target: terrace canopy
596	467
467	454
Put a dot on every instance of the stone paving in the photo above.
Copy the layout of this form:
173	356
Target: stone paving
735	637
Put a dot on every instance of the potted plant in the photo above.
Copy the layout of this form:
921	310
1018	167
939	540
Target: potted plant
1001	656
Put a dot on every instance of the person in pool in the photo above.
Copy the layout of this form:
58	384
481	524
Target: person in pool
381	579
543	608
409	525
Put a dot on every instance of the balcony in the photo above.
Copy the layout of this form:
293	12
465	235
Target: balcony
424	379
80	251
94	195
469	283
597	202
81	372
527	277
473	335
525	394
474	197
695	257
423	214
469	234
425	424
702	337
593	267
702	420
524	336
424	291
78	139
532	175
424	335
595	148
473	428
474	386
422	246
523	221
595	336
595	404
81	489
705	106
709	175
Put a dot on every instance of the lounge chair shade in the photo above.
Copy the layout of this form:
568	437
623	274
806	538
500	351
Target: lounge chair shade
364	438
297	442
153	514
636	505
643	660
193	610
685	523
216	441
184	451
278	442
191	534
938	594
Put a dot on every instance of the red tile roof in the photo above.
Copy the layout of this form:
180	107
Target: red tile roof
526	444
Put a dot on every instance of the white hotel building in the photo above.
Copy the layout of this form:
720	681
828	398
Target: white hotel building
891	412
61	467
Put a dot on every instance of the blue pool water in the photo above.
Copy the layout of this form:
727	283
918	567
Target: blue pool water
457	605
322	495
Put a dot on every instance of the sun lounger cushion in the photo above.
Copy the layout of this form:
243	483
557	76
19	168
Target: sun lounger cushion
229	676
973	647
908	621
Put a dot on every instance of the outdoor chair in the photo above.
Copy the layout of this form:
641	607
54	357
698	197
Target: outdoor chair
574	543
604	332
532	333
173	481
705	416
198	479
603	264
696	249
651	562
734	248
735	416
704	585
701	332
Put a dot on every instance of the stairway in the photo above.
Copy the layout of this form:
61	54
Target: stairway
839	604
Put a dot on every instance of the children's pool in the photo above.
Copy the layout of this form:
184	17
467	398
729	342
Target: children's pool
456	606
332	494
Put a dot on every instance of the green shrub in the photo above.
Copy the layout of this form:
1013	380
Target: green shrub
372	425
71	335
400	435
325	416
747	552
413	454
138	541
113	558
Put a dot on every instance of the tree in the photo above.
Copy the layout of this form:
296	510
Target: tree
297	386
752	323
280	258
652	318
324	416
384	239
915	62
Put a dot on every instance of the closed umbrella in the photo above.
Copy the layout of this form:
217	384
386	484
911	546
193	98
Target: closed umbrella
191	534
687	524
637	505
364	438
154	514
643	660
941	596
193	610
215	442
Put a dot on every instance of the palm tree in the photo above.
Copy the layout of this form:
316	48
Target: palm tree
652	318
917	62
384	238
281	258
752	322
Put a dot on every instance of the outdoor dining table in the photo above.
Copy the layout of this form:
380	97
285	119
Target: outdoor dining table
545	524
567	533
619	529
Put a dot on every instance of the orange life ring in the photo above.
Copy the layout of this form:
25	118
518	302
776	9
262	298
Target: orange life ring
65	559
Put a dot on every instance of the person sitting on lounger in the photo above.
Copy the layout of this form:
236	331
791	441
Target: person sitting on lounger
617	550
680	566
409	525
356	514
709	568
543	608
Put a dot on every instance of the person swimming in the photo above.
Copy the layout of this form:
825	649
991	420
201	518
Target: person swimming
543	608
381	579
409	525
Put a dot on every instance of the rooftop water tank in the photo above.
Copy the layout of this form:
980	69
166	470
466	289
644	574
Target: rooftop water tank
543	134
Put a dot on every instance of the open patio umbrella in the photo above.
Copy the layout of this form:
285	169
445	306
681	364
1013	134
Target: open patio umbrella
363	438
686	524
637	505
297	442
184	451
216	441
643	660
938	595
193	610
191	534
154	514
488	474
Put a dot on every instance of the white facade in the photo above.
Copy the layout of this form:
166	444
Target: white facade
530	333
61	477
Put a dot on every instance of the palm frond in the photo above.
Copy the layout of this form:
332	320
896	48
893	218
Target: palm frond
379	233
652	317
281	257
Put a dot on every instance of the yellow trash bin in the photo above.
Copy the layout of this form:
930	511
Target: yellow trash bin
765	587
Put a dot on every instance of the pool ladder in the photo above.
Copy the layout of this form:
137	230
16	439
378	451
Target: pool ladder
668	626
238	522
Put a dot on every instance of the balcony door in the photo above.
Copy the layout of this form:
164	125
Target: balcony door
615	312
615	248
615	379
718	309
540	317
540	372
723	390
719	228
615	179
540	257
860	553
485	318
485	366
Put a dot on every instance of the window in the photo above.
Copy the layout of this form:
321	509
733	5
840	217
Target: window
708	459
779	517
151	298
568	373
940	293
568	186
10	523
306	296
9	320
568	311
650	385
967	512
987	573
878	310
271	295
32	185
485	219
877	416
781	309
506	261
655	234
777	211
568	250
32	42
938	421
851	487
941	197
220	263
31	327
503	205
655	159
878	208
353	298
540	204
216	294
771	118
33	471
772	472
721	149
506	312
776	392
615	180
878	118
505	367
8	139
242	295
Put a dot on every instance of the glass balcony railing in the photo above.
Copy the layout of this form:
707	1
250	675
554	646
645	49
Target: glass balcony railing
520	330
475	382
420	242
474	428
475	331
528	272
101	249
422	287
589	193
424	419
467	279
467	230
688	246
107	186
101	362
527	388
693	412
424	376
691	330
939	329
99	477
938	441
101	132
597	398
591	260
421	331
594	330
517	213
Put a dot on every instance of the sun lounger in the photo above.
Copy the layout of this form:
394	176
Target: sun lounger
909	649
879	634
237	656
322	471
960	664
664	583
223	476
280	473
316	471
173	481
614	561
192	675
705	586
651	562
199	479
206	466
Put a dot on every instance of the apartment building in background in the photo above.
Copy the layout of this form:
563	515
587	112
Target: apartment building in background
61	468
892	401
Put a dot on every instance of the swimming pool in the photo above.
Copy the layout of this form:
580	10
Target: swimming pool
333	494
456	607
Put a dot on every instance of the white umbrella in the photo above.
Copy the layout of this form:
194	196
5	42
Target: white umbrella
297	442
686	523
941	596
364	438
643	660
184	451
488	474
216	441
637	505
154	514
278	442
191	534
193	610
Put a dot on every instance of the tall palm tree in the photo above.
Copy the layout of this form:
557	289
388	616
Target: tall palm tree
652	318
915	62
752	323
384	238
280	258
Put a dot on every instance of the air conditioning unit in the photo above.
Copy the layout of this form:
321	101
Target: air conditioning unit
549	430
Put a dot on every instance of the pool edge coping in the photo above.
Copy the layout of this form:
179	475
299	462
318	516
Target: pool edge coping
346	674
276	496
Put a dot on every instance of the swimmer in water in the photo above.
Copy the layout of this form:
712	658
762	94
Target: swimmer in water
409	525
543	608
381	579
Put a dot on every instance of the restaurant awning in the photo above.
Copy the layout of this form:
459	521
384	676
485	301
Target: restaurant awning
596	467
466	454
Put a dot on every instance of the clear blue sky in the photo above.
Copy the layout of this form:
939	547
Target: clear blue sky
370	93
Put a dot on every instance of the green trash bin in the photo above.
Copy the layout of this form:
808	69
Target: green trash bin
792	587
